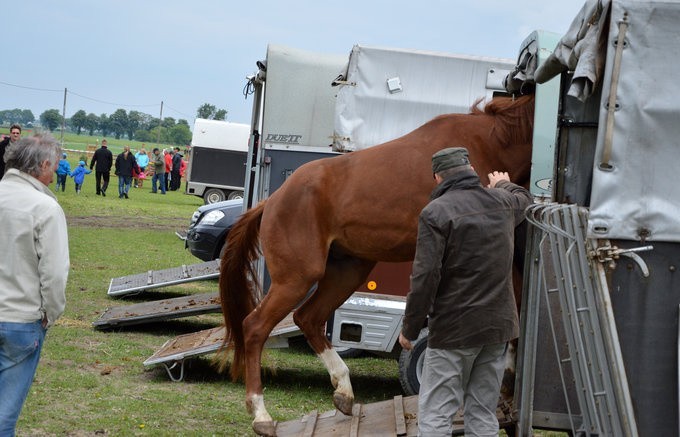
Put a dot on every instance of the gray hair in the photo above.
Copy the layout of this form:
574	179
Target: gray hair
28	154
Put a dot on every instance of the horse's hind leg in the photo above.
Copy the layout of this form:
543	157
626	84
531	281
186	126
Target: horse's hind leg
341	279
277	304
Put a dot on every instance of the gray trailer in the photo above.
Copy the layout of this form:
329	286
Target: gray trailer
599	350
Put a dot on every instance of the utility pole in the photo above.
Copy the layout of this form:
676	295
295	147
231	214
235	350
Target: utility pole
160	126
63	117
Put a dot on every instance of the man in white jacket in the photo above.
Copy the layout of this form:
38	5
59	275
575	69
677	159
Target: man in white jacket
33	268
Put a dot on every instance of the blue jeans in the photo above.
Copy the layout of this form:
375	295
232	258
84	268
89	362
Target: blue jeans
160	177
20	345
61	180
124	183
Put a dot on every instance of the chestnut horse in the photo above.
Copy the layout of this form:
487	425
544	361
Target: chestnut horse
334	218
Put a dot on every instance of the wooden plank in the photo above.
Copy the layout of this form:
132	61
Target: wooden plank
399	418
311	424
356	418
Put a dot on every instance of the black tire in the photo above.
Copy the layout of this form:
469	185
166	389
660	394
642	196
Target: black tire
214	195
349	352
411	364
235	195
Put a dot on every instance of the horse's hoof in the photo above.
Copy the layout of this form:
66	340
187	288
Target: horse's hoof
265	428
343	403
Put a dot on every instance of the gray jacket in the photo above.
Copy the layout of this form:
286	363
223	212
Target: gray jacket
462	271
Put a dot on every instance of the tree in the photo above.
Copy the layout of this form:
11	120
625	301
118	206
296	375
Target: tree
104	124
206	110
168	122
221	114
135	119
179	135
51	119
91	123
119	122
78	121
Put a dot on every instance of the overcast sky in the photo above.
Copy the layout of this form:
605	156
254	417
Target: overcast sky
133	54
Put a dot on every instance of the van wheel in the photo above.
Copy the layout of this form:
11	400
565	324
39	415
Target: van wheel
348	352
213	195
411	364
235	195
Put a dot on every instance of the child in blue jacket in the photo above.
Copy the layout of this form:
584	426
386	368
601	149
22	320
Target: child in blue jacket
63	170
78	175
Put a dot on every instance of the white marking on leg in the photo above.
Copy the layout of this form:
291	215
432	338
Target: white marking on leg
257	409
338	371
510	358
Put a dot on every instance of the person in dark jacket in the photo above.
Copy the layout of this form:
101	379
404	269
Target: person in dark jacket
103	160
14	136
462	284
175	178
125	164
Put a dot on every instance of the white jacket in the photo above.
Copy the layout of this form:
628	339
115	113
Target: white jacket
34	262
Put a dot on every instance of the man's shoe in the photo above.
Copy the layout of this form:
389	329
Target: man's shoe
126	196
104	193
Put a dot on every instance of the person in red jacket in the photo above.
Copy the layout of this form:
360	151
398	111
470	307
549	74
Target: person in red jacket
168	167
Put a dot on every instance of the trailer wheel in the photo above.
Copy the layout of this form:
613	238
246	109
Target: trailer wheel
235	195
348	352
213	195
411	364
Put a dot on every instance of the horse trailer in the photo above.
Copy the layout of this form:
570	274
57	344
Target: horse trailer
217	160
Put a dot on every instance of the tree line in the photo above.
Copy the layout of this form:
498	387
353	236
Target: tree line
134	125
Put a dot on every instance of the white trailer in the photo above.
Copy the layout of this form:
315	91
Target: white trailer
217	160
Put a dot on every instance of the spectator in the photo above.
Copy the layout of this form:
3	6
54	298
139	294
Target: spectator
125	166
167	154
462	280
14	135
103	159
63	170
33	283
142	161
78	175
158	163
175	178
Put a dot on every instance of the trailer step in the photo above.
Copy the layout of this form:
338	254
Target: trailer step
163	278
148	312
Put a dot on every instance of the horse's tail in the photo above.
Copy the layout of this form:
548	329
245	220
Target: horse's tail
239	288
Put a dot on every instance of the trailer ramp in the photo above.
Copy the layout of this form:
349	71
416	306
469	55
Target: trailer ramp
395	417
173	354
155	311
163	278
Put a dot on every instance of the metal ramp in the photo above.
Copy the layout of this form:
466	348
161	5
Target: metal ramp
395	417
147	312
173	354
163	278
594	355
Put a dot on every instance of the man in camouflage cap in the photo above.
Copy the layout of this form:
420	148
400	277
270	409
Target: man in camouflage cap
462	285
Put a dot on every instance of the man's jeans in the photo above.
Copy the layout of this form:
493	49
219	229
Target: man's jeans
160	177
20	345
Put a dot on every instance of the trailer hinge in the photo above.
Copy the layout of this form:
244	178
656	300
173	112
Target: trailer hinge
343	83
610	254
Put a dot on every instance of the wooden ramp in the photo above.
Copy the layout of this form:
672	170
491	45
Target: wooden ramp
173	354
396	417
159	310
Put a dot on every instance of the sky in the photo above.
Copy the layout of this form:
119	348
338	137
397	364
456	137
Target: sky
134	54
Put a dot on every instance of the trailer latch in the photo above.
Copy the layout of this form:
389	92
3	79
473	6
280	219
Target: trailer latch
610	254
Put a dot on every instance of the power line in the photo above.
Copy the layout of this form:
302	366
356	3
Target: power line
30	88
111	103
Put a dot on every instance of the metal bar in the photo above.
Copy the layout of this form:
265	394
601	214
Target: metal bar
399	419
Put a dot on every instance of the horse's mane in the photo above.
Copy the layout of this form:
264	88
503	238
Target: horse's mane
513	118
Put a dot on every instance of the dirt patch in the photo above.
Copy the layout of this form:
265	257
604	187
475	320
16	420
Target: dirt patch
151	223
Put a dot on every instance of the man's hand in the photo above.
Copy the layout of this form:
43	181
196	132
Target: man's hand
496	177
404	342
